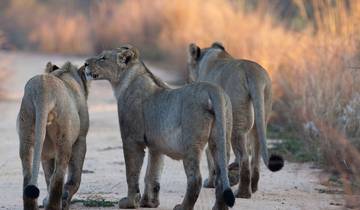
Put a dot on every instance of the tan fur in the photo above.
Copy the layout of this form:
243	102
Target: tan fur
52	125
249	88
174	122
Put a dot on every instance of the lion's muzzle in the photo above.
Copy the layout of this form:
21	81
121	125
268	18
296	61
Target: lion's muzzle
88	74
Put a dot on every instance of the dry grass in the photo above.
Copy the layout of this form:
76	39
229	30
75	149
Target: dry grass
128	22
315	70
319	86
64	34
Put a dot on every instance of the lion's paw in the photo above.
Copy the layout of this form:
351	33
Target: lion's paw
243	194
217	207
178	207
254	187
65	201
126	203
209	183
30	204
234	174
149	203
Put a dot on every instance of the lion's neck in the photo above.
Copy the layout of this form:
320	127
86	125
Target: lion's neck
73	83
208	61
77	84
121	85
136	82
85	86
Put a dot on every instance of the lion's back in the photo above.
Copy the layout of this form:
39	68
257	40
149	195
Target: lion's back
47	92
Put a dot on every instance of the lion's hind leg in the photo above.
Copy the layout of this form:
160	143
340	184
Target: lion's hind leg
219	203
26	154
48	163
255	160
191	164
74	172
57	179
242	156
48	167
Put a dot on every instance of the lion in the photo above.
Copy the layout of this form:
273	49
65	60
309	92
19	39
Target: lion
249	87
173	122
52	125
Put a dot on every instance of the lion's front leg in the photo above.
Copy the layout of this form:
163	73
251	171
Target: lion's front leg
134	156
210	182
150	198
57	179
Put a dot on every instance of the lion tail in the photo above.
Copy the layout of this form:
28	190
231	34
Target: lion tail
219	104
41	114
275	162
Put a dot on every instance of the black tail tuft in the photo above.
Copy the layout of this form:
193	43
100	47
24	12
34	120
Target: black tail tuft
31	191
276	162
229	197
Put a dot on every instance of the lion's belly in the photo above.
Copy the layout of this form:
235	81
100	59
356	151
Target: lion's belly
234	84
168	142
163	125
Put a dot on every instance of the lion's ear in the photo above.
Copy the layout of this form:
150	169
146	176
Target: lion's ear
81	72
194	51
50	67
218	45
82	69
126	55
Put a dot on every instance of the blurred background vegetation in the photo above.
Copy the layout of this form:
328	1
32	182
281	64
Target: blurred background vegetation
311	48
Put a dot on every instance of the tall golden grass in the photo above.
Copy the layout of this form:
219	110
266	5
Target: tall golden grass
315	69
64	34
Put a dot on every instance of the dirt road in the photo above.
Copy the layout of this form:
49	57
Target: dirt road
295	187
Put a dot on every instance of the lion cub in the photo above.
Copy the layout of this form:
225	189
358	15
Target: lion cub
52	125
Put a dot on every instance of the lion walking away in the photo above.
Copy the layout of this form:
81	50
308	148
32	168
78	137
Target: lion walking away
52	125
249	87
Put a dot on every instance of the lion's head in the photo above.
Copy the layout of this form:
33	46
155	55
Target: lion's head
197	56
69	68
50	67
110	64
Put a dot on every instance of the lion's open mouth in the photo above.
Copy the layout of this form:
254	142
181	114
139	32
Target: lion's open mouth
94	75
89	75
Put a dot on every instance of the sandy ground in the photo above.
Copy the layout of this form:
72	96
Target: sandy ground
295	187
